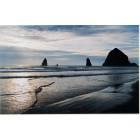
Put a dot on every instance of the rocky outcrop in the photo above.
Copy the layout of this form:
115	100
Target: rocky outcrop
44	63
88	63
117	58
133	65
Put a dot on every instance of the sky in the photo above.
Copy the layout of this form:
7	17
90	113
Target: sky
66	44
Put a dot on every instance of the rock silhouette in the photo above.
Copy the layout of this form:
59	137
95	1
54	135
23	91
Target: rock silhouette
117	58
88	63
133	65
44	63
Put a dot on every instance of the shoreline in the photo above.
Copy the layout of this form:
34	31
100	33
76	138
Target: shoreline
128	107
131	106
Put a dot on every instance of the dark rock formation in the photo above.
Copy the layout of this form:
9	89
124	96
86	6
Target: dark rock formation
117	58
88	63
133	65
44	63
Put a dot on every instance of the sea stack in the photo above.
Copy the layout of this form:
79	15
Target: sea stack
117	58
88	63
44	63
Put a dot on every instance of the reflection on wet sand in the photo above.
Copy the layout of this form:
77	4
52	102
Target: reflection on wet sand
18	95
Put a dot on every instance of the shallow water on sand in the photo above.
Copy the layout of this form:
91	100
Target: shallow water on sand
95	89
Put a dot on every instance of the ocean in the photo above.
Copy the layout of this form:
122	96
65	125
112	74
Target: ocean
65	89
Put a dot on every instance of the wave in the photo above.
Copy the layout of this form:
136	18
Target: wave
67	75
62	68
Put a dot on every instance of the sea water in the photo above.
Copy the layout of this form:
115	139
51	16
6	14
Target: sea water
73	87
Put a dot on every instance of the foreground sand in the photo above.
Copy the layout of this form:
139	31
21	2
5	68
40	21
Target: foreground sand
126	101
132	106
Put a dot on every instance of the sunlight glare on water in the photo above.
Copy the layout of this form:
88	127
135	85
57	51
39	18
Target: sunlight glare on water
16	94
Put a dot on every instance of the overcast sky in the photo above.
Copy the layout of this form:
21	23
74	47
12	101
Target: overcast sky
75	40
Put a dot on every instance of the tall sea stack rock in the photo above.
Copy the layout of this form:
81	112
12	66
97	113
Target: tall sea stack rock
117	58
88	63
44	63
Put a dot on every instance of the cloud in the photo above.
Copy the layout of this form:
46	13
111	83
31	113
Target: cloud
85	29
81	39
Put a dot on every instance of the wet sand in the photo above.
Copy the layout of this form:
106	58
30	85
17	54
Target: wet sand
103	90
132	106
93	103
